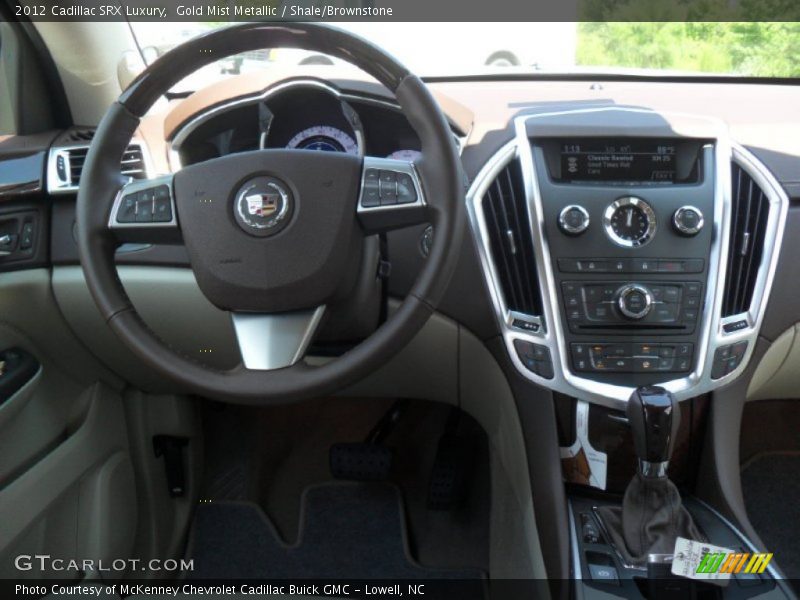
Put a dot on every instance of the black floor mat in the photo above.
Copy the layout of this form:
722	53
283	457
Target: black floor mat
771	487
347	531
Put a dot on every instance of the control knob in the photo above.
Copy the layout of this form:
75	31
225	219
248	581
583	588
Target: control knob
634	301
688	220
573	219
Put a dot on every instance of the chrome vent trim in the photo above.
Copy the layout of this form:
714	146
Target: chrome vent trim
506	216
749	215
65	166
496	246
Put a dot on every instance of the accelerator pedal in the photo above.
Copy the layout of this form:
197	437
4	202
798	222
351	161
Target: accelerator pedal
455	455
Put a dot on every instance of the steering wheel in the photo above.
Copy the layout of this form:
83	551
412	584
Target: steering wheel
272	235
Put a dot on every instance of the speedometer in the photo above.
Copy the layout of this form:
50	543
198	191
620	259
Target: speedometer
324	138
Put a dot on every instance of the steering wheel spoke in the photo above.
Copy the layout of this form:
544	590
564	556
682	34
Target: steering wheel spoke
391	195
144	211
275	341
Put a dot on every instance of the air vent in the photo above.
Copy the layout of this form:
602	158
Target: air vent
511	243
66	166
748	230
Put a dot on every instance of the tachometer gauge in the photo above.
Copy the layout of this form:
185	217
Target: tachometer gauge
324	138
409	155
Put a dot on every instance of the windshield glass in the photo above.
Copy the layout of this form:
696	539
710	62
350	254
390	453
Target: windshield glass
450	49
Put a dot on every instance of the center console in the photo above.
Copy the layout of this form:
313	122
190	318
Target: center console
624	247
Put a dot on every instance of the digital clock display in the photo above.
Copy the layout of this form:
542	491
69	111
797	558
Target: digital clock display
645	161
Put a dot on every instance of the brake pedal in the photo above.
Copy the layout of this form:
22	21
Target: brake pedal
360	461
369	460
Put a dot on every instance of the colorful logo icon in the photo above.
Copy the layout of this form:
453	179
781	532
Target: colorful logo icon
734	562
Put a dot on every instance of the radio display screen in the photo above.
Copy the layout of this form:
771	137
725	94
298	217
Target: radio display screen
629	160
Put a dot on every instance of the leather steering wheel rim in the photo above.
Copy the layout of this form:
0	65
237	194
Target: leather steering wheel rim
439	174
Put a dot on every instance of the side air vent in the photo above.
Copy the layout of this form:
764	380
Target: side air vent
66	166
748	232
511	243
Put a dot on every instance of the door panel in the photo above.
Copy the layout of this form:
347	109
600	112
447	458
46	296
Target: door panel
67	487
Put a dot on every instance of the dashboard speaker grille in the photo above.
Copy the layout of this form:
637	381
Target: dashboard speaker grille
511	243
748	231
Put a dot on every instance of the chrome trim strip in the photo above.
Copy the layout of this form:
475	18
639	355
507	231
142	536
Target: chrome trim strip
711	334
577	571
56	185
397	166
275	341
136	185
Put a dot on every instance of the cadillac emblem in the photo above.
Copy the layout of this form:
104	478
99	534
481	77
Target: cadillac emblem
263	206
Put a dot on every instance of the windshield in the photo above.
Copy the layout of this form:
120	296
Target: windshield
451	49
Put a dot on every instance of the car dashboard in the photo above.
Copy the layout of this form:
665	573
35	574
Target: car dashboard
616	234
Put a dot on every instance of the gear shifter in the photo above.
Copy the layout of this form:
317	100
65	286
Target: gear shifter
652	515
654	416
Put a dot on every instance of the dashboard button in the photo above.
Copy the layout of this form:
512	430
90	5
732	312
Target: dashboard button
645	265
665	364
619	265
621	364
573	219
666	351
693	288
568	265
645	350
599	312
684	349
572	301
683	364
664	313
694	265
687	220
671	266
645	365
593	266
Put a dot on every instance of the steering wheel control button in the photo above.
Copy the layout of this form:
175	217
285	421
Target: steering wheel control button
162	205
144	206
634	301
573	219
127	209
688	220
406	193
535	357
629	222
263	206
371	194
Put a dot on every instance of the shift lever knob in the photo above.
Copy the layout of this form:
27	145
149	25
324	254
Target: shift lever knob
654	417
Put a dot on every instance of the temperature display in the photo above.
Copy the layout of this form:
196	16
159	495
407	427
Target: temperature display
624	161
